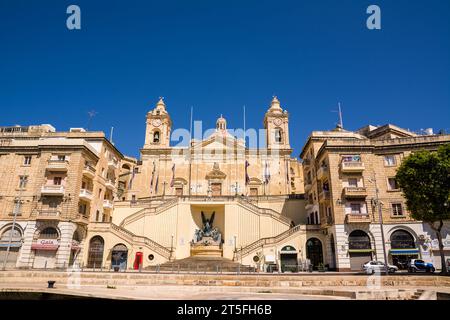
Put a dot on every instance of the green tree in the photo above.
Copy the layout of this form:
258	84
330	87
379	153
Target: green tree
424	177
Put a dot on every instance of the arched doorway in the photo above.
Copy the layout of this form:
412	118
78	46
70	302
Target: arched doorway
15	236
359	249
288	259
95	254
403	248
119	256
314	252
45	248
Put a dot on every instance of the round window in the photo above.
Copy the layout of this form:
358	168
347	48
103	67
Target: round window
151	257
255	258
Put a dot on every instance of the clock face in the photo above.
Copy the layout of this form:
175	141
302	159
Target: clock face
277	121
156	122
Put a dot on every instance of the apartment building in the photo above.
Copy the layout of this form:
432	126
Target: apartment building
53	184
349	176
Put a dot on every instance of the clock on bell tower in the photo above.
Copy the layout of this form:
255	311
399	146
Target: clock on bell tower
276	123
159	124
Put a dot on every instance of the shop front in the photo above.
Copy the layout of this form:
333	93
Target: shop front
403	249
360	249
119	256
45	253
288	259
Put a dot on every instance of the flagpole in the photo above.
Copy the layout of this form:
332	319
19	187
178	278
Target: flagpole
190	151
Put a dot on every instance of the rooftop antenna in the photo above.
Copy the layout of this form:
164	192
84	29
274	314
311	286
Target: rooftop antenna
245	142
339	111
91	114
111	135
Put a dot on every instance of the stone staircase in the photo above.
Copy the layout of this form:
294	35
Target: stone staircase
132	238
245	251
198	264
153	210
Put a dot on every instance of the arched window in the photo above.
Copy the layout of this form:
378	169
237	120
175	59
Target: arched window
16	235
359	240
95	254
156	137
48	233
402	239
278	135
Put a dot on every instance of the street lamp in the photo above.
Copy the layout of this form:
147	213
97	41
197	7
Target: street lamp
376	202
171	247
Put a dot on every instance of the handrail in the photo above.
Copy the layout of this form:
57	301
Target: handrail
269	240
155	246
154	211
265	211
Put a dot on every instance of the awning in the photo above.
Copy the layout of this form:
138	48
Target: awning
360	250
50	247
404	252
13	245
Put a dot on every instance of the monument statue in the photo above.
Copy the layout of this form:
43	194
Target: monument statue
207	234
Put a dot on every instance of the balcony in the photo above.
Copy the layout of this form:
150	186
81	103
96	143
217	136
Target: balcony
110	184
324	195
108	204
57	165
49	214
82	219
352	166
52	190
113	163
357	218
322	173
86	194
313	227
89	171
355	192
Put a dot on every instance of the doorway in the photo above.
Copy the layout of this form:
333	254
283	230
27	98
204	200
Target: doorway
288	259
314	252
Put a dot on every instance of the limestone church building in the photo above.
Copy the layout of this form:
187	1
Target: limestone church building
72	198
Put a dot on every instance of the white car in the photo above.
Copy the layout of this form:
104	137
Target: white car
378	266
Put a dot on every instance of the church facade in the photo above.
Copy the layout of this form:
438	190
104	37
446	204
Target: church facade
70	198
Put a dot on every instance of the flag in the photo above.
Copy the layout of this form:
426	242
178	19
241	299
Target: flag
266	173
132	177
247	178
287	171
173	176
156	184
153	175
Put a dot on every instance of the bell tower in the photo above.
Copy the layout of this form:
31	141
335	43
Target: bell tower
276	123
159	124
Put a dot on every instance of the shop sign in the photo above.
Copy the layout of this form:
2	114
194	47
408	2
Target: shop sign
48	242
269	258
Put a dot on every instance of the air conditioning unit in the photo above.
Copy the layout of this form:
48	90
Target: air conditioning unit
77	130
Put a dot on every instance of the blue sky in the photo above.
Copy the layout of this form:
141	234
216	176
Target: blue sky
220	55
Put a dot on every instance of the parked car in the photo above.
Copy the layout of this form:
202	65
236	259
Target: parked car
417	265
371	267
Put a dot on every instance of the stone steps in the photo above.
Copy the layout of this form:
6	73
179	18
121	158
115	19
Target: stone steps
202	264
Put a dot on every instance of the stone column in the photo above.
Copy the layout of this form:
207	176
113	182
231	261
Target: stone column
25	259
62	256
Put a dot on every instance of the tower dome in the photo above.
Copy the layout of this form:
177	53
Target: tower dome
275	105
221	124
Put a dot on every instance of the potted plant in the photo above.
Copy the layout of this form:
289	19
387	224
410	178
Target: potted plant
321	267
